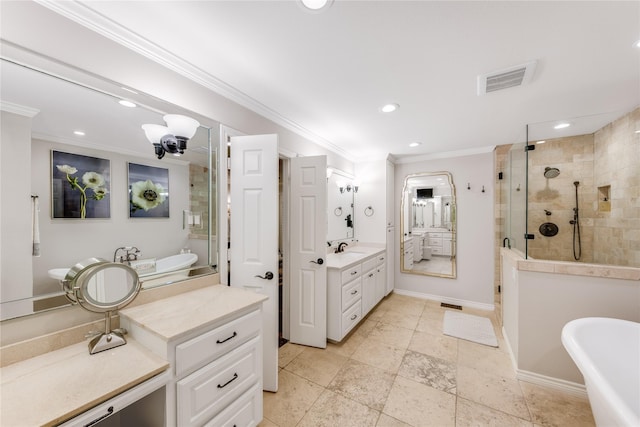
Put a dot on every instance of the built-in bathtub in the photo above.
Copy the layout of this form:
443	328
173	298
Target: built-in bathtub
607	352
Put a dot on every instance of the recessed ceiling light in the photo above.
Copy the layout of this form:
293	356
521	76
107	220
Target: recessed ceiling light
541	142
126	103
415	144
562	126
637	44
78	132
316	5
389	108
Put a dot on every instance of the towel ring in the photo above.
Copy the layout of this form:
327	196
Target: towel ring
368	211
337	211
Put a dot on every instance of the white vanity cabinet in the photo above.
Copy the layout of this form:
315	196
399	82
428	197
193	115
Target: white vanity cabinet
213	339
440	243
353	289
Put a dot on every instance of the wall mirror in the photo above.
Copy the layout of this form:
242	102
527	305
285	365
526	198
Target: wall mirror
340	205
428	225
112	134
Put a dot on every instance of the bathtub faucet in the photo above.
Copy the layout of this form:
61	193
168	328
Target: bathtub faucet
126	254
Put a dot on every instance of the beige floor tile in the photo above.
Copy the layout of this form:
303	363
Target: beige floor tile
348	345
555	408
363	383
441	346
288	352
420	405
496	392
365	327
294	398
393	335
377	313
333	410
430	325
266	423
405	305
387	421
429	370
471	414
485	358
433	311
316	365
403	320
380	355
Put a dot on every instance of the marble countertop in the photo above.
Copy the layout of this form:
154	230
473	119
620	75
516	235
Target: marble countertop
174	317
57	386
351	256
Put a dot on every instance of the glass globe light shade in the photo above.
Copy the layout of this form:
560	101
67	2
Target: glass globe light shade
180	125
155	132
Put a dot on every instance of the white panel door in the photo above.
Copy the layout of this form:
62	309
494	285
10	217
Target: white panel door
308	279
254	234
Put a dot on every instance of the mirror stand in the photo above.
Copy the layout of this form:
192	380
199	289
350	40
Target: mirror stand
109	338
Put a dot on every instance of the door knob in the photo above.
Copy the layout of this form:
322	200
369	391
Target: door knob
320	261
267	276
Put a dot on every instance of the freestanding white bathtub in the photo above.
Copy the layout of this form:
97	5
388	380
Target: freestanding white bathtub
607	352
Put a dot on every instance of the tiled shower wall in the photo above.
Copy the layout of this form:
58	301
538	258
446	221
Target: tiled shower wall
574	157
199	200
617	165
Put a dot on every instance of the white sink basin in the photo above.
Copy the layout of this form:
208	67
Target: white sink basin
350	255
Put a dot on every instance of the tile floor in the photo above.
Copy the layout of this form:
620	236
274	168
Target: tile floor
398	369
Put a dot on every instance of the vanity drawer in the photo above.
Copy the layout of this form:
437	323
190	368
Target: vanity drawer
435	235
245	411
348	274
351	317
213	344
351	292
436	250
435	241
209	390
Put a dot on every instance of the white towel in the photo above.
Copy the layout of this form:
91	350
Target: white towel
35	208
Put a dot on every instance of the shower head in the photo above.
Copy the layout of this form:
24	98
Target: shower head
551	172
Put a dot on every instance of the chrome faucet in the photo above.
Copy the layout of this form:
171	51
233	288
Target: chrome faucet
126	254
341	246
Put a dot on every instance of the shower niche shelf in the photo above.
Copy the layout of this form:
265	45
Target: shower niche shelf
604	198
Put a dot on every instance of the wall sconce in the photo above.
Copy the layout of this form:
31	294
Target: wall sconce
342	186
173	137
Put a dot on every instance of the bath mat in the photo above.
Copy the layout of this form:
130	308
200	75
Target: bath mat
469	327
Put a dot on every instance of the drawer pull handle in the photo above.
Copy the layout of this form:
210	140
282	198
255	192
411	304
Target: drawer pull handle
225	340
100	418
235	376
371	275
355	291
354	317
354	272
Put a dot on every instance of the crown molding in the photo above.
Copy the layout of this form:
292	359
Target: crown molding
89	18
444	155
21	110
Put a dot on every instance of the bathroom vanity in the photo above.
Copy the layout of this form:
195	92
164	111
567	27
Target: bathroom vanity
356	282
190	359
212	339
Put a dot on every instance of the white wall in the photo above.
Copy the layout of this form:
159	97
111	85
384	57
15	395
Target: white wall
371	192
64	242
475	232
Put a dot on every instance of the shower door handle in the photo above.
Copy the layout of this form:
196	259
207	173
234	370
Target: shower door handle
267	276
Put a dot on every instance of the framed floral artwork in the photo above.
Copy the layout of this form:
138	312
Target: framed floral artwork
148	191
79	186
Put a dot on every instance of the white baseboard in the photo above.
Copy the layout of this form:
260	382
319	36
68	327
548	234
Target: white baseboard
565	386
568	387
447	300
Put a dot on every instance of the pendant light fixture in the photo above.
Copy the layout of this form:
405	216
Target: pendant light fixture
173	137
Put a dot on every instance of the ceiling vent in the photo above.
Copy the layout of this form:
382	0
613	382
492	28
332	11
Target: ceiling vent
503	79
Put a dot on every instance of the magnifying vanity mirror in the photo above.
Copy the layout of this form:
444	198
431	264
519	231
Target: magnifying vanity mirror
61	130
340	201
102	287
428	225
